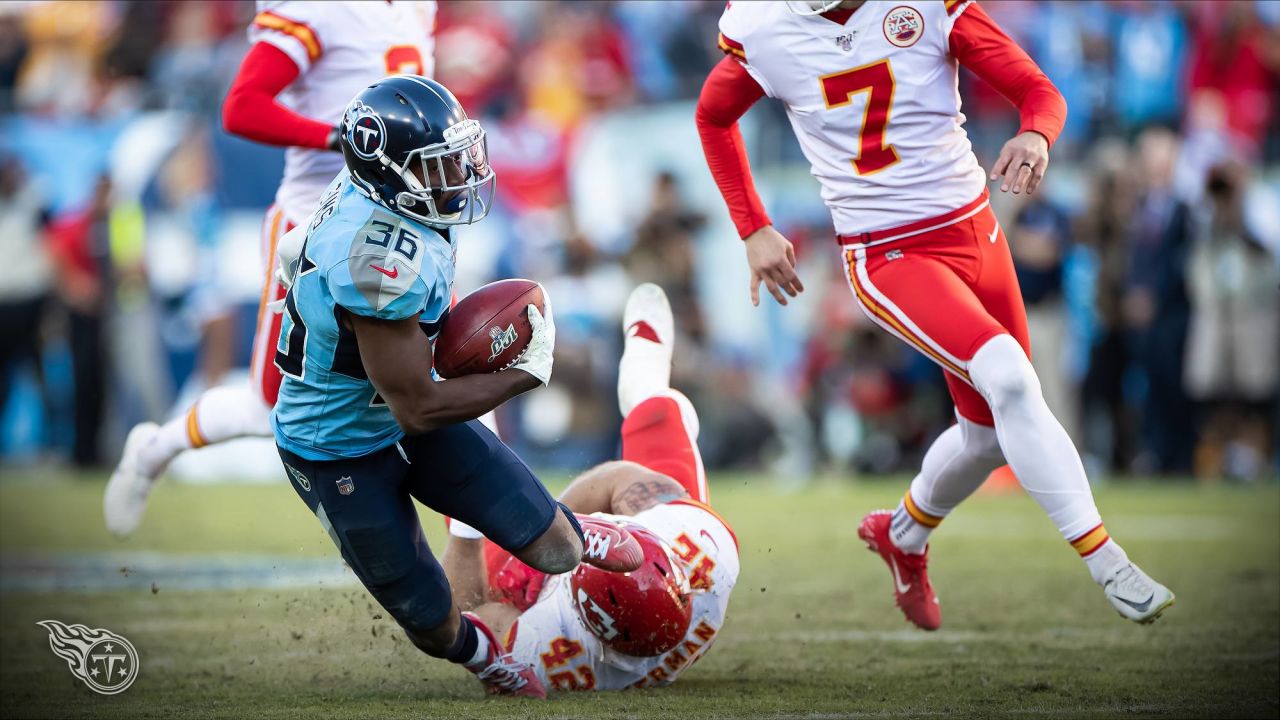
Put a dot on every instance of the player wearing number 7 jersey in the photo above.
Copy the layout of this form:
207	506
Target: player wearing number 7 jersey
871	91
307	60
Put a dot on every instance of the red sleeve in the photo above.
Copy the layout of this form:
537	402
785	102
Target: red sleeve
726	96
252	111
980	45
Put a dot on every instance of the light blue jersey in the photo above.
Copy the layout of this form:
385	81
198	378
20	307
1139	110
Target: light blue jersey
369	261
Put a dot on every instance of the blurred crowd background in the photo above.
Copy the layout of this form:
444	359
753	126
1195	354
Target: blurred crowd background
1150	263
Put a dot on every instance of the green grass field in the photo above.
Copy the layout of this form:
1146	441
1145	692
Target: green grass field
812	631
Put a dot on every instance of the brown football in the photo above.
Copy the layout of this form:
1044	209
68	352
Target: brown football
488	329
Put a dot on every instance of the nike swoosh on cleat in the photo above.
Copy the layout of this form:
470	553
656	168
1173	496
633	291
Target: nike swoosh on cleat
994	232
897	578
392	273
1140	607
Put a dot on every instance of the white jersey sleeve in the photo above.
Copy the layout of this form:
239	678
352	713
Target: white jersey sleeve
567	656
737	25
295	28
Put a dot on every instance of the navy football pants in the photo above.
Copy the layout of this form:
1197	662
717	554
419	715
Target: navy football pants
366	505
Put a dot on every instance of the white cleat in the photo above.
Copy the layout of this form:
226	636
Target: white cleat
1136	596
648	329
128	489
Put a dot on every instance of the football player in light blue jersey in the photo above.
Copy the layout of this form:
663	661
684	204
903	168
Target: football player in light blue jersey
362	427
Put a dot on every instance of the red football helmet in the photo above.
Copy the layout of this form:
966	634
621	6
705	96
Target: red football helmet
643	613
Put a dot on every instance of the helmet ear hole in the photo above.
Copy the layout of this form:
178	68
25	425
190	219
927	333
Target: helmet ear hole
612	598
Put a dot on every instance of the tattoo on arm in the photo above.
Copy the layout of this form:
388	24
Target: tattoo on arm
644	494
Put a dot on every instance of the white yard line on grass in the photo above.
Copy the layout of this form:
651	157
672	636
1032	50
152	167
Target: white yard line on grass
101	572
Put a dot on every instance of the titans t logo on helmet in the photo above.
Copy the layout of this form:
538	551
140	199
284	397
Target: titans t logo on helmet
366	133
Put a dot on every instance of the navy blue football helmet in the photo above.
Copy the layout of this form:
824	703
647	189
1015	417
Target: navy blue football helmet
411	147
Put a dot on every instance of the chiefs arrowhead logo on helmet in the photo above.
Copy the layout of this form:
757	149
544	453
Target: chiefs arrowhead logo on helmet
600	622
642	613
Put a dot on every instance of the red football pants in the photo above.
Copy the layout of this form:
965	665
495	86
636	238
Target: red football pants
945	291
654	435
262	368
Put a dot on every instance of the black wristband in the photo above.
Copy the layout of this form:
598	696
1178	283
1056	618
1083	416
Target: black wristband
331	141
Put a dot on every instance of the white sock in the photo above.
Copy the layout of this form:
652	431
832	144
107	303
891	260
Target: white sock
218	415
1104	561
955	466
643	371
1034	442
480	660
459	529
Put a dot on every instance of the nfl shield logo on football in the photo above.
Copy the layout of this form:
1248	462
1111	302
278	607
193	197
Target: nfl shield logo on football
903	26
346	486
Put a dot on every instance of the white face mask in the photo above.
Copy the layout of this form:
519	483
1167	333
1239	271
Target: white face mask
454	183
812	7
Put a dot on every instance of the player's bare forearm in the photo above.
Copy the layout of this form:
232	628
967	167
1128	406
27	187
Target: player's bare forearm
499	617
463	563
620	487
397	358
646	492
465	398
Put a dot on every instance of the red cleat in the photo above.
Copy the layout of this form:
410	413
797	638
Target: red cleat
912	590
504	675
608	545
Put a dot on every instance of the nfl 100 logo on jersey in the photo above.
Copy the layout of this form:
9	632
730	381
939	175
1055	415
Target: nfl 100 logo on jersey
903	26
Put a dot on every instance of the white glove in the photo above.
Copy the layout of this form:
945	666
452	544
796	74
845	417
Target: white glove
288	254
537	357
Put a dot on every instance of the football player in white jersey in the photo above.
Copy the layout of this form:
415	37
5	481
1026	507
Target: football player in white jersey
593	630
871	91
307	60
